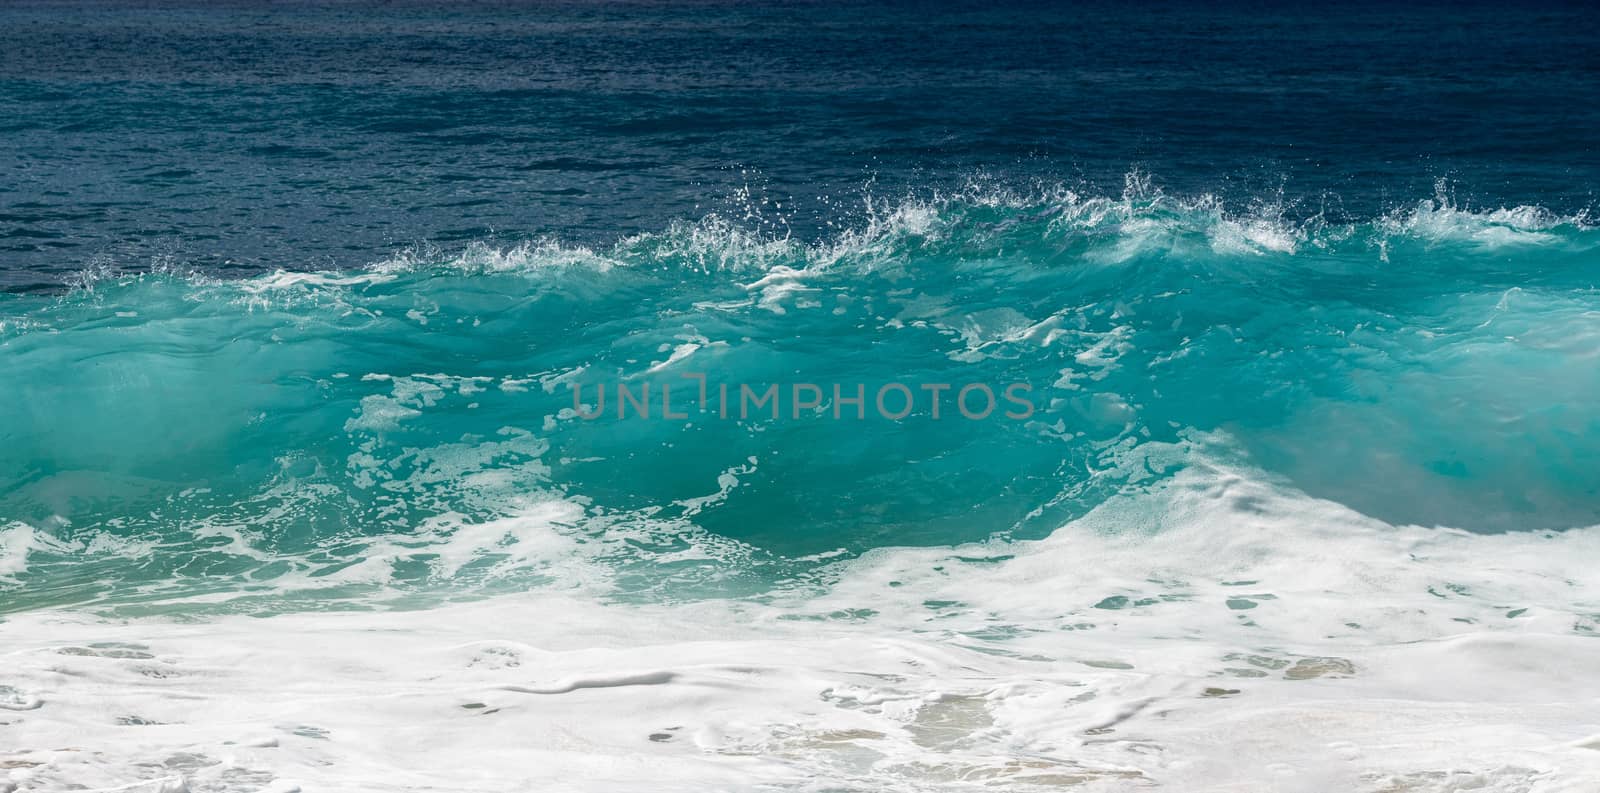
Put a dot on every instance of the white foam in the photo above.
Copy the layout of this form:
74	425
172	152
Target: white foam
16	541
1441	220
479	257
1254	236
1216	634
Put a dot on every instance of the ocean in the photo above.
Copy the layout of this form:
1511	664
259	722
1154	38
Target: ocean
799	397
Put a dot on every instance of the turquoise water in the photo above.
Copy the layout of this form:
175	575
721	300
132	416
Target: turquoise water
171	434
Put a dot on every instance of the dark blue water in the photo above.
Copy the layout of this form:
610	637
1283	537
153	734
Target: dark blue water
241	137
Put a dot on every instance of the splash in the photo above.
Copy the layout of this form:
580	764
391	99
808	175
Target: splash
368	434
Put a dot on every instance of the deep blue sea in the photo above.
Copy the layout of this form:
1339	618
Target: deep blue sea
242	137
813	396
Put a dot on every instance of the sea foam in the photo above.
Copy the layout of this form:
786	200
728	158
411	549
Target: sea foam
1302	505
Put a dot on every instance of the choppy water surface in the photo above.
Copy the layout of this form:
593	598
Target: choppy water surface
305	310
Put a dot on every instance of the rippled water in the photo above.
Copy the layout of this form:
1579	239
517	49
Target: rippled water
247	137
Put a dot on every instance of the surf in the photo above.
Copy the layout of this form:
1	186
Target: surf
372	418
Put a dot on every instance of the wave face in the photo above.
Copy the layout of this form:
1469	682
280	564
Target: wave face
409	430
1321	490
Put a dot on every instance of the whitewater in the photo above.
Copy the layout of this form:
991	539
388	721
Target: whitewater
1302	506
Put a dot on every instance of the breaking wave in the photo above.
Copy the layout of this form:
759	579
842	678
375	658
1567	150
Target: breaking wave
410	430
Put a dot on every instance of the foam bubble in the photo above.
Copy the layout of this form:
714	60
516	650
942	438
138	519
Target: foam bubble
1226	634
